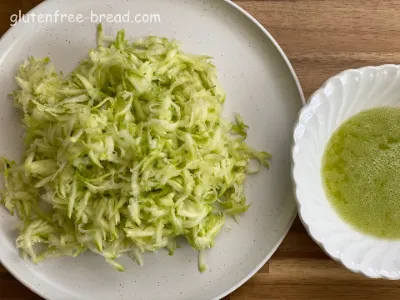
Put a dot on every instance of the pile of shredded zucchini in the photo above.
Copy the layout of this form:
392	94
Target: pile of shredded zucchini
125	154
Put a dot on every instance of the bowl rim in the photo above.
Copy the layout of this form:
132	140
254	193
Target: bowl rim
7	36
309	102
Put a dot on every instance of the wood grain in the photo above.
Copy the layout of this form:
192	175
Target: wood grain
321	38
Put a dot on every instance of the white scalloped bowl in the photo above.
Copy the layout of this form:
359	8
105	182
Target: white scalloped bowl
341	97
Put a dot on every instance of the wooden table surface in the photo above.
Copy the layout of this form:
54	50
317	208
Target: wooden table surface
321	38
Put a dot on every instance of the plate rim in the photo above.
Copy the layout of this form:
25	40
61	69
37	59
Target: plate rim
303	102
299	89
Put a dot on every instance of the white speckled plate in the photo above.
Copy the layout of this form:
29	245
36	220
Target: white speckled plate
260	84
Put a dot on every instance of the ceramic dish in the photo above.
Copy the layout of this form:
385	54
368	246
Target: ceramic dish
260	84
337	100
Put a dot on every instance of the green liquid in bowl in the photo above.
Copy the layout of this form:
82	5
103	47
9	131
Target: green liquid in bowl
361	172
